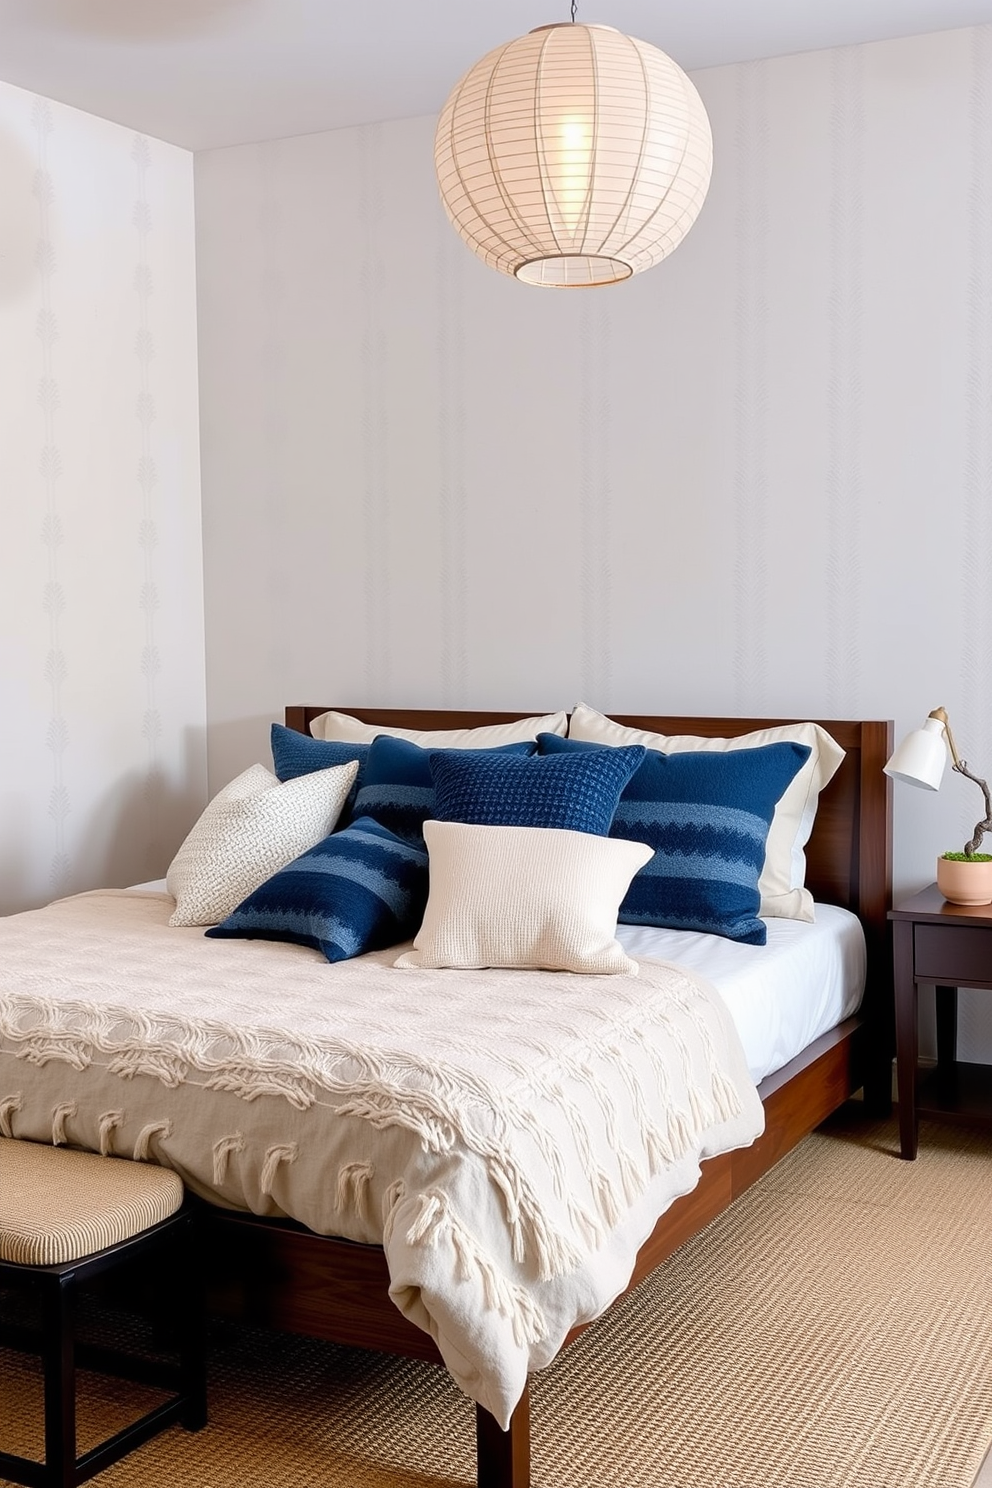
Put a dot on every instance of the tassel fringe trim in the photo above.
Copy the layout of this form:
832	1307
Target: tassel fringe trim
675	1090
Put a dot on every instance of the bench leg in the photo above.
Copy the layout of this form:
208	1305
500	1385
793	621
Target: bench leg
59	1365
504	1456
191	1306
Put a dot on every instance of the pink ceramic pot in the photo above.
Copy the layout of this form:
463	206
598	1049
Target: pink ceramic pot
964	883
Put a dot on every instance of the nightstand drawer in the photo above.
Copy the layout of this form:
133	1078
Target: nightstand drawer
952	953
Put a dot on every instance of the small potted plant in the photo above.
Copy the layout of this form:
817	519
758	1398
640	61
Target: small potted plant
966	877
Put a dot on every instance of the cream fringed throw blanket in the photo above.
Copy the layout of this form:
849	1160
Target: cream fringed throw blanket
509	1137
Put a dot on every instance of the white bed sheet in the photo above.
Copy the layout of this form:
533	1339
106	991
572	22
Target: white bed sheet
782	995
805	980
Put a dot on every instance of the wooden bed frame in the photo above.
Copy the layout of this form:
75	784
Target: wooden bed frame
279	1274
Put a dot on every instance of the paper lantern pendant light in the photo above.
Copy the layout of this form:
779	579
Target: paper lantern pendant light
573	156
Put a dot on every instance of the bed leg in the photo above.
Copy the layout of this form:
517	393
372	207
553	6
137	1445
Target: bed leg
503	1456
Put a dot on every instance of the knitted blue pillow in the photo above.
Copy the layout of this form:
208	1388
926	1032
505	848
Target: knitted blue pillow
295	754
576	791
706	814
397	788
361	889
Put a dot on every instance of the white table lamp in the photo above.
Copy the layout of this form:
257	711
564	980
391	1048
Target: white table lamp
965	877
920	758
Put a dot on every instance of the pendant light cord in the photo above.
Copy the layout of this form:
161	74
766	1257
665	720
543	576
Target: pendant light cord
573	12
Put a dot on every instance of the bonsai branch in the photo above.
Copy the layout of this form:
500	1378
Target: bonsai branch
970	848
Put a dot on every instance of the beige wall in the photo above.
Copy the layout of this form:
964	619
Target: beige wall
102	700
757	478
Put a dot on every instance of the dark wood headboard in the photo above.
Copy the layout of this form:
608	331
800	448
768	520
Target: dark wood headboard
848	856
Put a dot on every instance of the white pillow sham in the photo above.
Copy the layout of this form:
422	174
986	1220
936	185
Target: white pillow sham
341	726
251	829
782	882
524	897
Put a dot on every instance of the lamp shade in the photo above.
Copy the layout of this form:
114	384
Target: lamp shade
573	156
920	758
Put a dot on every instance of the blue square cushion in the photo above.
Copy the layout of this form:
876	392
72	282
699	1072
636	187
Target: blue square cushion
706	813
361	889
397	787
575	790
295	754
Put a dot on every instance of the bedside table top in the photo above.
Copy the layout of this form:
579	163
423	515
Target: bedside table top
930	904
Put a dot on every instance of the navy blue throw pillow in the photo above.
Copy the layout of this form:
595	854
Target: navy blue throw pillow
575	791
397	787
706	813
360	889
295	754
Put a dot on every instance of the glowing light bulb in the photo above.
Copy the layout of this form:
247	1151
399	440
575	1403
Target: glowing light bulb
571	178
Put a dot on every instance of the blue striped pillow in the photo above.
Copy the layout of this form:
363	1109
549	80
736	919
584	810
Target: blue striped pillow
397	787
361	889
707	816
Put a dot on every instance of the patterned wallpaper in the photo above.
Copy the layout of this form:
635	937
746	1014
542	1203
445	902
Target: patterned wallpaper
101	620
754	479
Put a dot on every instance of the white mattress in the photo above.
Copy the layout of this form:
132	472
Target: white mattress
805	980
782	995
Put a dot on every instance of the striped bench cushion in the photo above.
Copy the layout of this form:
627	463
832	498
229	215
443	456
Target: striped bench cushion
58	1205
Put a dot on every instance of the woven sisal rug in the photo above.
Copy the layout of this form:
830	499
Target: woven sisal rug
834	1329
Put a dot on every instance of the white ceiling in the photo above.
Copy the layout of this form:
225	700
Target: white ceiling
203	73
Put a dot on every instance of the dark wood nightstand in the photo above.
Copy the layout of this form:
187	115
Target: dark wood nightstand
945	946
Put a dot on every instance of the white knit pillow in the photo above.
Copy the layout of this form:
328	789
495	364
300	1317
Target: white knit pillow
251	829
349	730
524	896
782	883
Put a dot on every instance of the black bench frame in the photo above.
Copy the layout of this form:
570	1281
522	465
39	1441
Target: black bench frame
61	1355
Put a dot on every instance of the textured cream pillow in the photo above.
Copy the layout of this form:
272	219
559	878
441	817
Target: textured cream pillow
350	730
782	881
251	829
524	896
